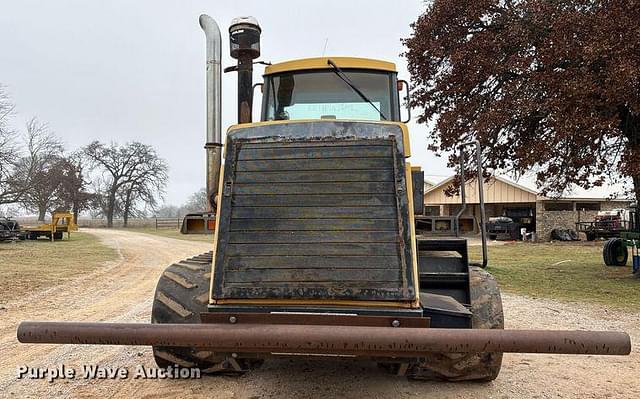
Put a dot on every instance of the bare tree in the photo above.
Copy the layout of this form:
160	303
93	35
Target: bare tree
99	201
73	190
197	202
132	171
9	154
144	189
169	211
41	169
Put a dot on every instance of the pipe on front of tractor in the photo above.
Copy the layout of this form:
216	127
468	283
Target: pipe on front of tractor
323	339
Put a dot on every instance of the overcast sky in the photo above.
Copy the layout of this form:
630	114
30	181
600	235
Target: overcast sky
134	70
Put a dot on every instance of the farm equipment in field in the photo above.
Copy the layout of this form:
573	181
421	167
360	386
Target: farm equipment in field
198	223
502	227
606	224
61	222
616	250
509	226
10	230
315	251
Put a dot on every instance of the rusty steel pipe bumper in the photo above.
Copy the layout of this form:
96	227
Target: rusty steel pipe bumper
323	339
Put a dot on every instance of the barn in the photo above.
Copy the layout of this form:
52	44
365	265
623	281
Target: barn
504	197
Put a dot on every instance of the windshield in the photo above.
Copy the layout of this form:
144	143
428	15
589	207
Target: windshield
324	95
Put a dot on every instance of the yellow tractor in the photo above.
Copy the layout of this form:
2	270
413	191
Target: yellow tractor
315	251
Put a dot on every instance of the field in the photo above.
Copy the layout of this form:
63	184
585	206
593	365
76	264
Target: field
29	266
567	271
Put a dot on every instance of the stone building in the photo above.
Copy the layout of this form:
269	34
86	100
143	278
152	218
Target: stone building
506	198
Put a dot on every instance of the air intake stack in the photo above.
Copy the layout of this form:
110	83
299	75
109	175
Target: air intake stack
244	40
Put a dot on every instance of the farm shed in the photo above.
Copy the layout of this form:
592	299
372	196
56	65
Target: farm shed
503	197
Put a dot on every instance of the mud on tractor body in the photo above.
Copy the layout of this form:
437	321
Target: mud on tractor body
315	251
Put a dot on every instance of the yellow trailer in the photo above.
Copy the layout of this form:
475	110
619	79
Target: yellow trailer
61	222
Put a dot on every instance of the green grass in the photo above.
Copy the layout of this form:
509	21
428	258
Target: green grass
29	266
172	233
567	271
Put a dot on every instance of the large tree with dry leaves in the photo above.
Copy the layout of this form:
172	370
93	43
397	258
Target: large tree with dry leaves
547	86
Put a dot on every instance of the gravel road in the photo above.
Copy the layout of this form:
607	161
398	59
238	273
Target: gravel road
123	290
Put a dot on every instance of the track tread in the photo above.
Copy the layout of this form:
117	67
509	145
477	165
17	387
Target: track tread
487	313
181	295
176	278
172	305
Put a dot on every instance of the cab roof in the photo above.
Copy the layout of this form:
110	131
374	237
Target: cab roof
321	63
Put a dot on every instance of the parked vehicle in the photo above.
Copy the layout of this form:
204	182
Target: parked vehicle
523	216
61	222
606	224
615	251
10	230
503	227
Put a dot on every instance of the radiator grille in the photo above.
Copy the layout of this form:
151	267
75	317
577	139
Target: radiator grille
312	219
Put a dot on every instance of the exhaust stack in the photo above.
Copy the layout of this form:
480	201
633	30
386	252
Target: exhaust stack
213	145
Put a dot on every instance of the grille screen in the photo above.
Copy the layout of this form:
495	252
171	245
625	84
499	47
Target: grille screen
311	219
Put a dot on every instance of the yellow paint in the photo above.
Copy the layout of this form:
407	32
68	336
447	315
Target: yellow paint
412	226
416	168
60	222
215	233
405	139
321	63
402	126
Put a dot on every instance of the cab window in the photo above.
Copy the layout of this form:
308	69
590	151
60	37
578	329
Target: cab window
324	95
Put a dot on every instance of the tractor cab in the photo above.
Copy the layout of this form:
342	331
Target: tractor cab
332	88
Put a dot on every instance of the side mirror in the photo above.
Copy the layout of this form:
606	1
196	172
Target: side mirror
404	84
253	90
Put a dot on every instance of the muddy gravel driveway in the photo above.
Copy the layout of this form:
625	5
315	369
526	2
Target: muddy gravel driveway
123	289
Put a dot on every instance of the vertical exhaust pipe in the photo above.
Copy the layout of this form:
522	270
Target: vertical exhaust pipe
213	145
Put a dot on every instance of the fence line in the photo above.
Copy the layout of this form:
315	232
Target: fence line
168	223
156	223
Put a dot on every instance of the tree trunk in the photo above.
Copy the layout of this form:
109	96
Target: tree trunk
125	217
42	212
630	126
75	211
127	205
111	204
636	189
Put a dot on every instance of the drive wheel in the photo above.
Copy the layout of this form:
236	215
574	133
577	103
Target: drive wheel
486	306
615	252
181	295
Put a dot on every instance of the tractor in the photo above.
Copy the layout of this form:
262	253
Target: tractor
314	251
615	250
